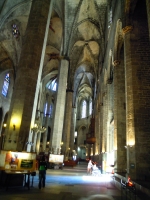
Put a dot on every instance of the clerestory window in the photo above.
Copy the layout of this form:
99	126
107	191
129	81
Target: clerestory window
50	110
84	106
52	84
6	85
90	107
110	17
45	110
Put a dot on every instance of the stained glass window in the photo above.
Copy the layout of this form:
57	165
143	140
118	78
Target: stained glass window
84	109
50	110
52	85
45	111
6	85
90	107
110	17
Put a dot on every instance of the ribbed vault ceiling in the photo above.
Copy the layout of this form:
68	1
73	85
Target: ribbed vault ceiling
78	35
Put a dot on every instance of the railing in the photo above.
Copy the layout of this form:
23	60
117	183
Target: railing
128	191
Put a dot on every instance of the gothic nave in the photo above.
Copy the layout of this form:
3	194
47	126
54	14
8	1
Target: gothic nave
74	80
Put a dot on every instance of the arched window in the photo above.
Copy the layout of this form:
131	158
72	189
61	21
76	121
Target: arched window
50	110
45	110
84	109
90	107
110	17
52	84
6	85
75	137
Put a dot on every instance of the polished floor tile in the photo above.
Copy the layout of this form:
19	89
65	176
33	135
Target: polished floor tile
68	184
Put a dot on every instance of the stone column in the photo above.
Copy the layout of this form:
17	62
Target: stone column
101	131
130	117
67	121
73	121
46	125
137	62
34	140
108	111
115	63
59	107
44	140
97	130
96	134
26	88
119	117
1	126
38	142
104	139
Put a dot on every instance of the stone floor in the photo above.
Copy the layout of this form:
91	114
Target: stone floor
69	184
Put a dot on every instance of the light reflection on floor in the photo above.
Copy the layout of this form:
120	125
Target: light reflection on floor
65	184
54	178
98	197
102	178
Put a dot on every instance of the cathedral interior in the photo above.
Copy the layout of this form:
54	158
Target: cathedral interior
75	80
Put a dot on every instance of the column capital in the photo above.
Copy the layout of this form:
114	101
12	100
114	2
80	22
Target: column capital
127	29
116	63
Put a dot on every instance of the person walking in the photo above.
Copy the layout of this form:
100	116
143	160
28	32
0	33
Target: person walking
42	172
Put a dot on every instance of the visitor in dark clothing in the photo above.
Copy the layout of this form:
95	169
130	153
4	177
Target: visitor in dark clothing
42	172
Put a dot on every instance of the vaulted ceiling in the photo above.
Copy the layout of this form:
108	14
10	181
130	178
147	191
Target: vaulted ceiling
76	31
